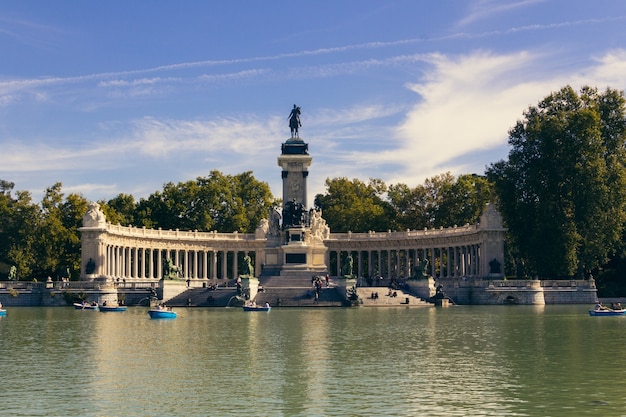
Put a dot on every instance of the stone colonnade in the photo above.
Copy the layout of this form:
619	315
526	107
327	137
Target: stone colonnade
443	262
133	262
130	253
469	251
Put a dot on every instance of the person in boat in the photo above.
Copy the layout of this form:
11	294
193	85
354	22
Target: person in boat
618	306
599	306
267	305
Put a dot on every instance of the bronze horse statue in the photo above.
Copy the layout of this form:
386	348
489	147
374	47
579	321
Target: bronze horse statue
294	121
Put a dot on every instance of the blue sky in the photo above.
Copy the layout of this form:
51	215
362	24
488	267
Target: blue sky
123	96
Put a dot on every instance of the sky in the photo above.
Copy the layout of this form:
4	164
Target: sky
122	97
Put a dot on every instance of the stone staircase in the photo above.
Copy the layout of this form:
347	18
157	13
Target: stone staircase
402	299
203	297
296	290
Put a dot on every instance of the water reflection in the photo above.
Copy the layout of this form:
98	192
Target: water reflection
516	360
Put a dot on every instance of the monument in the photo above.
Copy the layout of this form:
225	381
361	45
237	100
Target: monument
296	244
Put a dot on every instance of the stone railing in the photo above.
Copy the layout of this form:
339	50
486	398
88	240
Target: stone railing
176	234
449	231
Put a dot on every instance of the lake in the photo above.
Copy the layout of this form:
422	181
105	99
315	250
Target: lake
456	361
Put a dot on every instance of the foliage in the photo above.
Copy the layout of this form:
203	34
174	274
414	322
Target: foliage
225	203
562	191
355	206
442	201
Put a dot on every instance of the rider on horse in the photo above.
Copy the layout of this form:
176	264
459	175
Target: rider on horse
294	120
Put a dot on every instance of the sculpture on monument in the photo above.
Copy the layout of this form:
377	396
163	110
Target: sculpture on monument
94	216
294	214
274	222
420	271
90	268
319	228
248	269
170	271
347	267
13	273
294	121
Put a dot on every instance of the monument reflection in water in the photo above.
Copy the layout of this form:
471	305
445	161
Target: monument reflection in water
478	360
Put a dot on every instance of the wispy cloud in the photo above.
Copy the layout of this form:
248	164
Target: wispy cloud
135	82
468	103
483	9
465	104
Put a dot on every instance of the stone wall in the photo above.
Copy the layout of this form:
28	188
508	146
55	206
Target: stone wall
525	292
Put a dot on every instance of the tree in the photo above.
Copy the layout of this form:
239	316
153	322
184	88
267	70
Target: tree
224	203
72	211
120	210
410	206
562	191
442	201
21	221
355	206
462	201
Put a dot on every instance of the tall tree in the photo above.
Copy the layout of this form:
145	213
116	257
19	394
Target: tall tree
224	203
462	201
562	191
53	235
120	210
442	201
355	206
72	211
21	224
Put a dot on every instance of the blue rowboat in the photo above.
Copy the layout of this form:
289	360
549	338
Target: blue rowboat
161	314
607	312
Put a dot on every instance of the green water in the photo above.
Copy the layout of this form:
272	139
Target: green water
457	361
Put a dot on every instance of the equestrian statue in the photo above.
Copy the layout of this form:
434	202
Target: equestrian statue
294	121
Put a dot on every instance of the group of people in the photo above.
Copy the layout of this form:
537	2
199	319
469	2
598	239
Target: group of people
317	280
614	306
253	304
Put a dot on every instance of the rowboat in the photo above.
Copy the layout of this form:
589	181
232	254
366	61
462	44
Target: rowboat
104	309
257	308
607	312
3	312
85	306
156	313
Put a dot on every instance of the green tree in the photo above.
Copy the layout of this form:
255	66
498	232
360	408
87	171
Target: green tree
462	201
224	203
21	219
355	206
53	235
410	206
120	210
72	211
562	191
442	201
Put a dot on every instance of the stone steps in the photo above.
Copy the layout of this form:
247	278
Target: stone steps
300	297
385	300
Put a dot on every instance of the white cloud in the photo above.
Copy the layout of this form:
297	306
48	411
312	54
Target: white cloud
468	103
